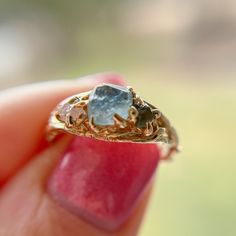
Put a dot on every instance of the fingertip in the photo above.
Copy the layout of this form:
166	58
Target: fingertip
104	77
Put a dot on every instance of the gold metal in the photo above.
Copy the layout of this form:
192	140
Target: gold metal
75	121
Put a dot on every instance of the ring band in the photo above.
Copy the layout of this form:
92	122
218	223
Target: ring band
112	113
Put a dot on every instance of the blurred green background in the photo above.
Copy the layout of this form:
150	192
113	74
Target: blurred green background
181	55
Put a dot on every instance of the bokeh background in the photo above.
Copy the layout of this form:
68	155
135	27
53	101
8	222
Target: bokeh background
179	54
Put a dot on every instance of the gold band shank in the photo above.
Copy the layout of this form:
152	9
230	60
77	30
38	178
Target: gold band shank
157	130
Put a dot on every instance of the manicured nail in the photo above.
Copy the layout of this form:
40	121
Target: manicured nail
102	182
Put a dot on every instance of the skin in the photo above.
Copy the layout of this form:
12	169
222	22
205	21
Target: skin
26	161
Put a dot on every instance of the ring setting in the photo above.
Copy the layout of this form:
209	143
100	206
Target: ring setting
113	113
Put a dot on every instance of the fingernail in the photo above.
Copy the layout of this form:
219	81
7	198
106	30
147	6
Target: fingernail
105	77
102	182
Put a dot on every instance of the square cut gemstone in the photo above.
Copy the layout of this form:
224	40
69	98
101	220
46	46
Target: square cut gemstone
106	100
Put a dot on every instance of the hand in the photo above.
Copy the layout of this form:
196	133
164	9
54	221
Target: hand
74	186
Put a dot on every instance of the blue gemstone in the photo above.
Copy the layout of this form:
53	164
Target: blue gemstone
106	100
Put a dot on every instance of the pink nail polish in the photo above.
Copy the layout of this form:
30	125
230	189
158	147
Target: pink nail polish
106	77
101	182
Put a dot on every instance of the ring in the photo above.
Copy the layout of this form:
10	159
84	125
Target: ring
112	113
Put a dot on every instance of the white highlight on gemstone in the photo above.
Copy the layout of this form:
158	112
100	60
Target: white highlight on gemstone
63	109
106	100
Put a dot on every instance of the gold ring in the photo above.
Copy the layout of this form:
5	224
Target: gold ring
112	113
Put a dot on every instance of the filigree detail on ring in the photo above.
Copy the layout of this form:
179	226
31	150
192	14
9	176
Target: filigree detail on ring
142	122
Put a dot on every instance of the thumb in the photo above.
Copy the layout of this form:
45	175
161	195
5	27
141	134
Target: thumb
81	187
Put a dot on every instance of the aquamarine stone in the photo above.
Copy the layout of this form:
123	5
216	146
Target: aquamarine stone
106	100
